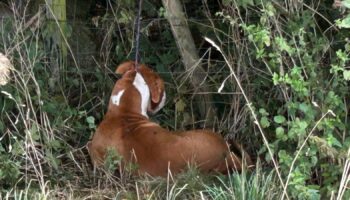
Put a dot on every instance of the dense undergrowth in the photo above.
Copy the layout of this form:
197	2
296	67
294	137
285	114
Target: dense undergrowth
291	58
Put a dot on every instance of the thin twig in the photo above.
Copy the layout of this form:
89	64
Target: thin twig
299	151
249	104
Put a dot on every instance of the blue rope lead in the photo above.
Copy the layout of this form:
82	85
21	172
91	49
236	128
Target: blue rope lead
137	37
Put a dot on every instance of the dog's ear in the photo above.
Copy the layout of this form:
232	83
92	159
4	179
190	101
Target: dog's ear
125	66
155	84
127	70
129	75
158	101
156	90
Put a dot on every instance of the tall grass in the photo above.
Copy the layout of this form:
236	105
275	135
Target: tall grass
42	152
48	165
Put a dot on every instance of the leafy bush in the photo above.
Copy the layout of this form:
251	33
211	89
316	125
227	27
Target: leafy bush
291	58
292	52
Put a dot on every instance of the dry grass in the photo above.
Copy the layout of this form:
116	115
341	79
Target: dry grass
48	149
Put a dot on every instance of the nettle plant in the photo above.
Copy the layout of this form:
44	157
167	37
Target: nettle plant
307	117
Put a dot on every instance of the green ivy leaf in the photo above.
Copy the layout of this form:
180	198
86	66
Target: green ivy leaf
344	23
55	144
346	74
264	122
302	125
284	157
335	69
298	128
53	161
304	107
18	148
263	112
270	9
346	3
314	194
280	134
332	141
342	55
279	119
91	121
283	45
275	78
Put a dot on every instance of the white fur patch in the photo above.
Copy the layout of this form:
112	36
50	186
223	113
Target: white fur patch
160	105
143	88
116	98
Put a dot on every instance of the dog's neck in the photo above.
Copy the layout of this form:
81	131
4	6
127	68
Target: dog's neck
133	99
141	85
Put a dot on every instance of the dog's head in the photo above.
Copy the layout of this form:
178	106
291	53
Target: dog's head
148	84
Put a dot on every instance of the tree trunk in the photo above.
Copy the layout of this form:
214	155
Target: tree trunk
57	24
190	58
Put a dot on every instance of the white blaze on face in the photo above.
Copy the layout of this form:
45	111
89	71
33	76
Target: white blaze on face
143	88
116	98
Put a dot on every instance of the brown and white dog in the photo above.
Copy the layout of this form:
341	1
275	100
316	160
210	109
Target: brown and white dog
155	150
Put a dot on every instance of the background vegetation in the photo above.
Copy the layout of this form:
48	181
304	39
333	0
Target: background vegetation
290	57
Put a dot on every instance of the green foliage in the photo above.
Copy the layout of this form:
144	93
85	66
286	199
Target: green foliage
37	124
292	63
344	23
9	171
258	185
113	160
313	90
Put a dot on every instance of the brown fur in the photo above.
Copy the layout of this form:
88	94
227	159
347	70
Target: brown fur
154	149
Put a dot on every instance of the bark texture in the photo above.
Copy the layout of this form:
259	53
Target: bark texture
179	26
